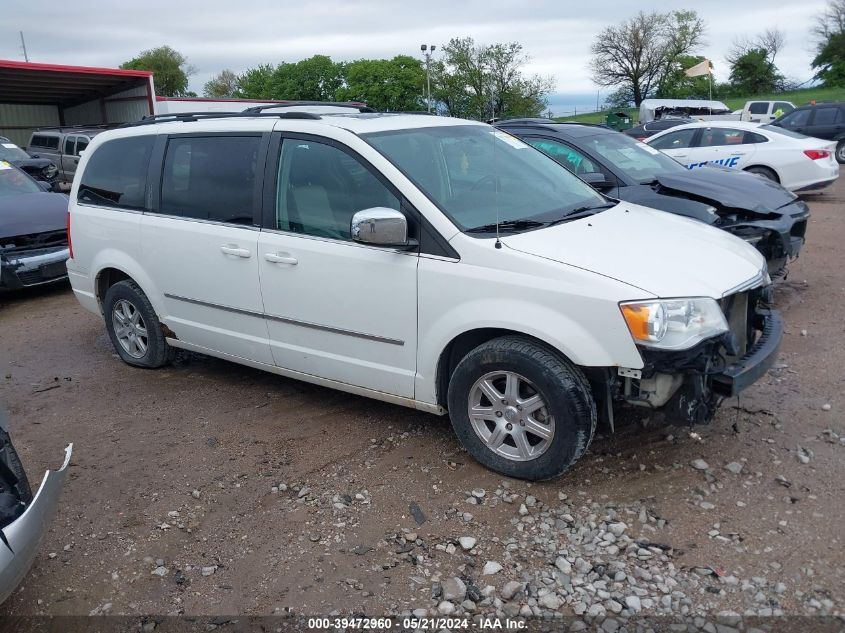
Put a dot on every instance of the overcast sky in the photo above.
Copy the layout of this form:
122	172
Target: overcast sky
217	34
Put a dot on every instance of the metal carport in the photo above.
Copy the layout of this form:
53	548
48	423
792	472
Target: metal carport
45	95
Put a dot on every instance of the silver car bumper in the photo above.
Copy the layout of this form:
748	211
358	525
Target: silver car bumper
23	535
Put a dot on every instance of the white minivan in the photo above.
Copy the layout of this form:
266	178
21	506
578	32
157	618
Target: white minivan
430	262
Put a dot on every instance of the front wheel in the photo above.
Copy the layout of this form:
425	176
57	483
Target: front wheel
520	409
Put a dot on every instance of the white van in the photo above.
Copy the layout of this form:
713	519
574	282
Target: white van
429	262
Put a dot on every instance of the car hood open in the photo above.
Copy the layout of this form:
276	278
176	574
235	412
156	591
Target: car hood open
659	253
30	213
728	188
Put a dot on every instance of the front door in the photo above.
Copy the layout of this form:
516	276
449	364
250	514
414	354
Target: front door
201	243
335	308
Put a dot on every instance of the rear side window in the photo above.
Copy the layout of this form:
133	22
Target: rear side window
69	141
210	178
758	107
752	137
826	116
116	174
45	142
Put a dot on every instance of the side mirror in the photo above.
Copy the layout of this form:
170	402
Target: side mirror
45	186
597	180
380	226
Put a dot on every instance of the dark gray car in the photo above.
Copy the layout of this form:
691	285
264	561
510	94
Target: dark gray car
751	207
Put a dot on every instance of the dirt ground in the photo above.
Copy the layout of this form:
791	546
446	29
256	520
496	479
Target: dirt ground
254	494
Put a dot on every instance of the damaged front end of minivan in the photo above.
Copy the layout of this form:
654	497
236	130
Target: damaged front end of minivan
688	385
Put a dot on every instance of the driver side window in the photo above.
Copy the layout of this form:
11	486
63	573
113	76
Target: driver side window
573	160
679	139
321	187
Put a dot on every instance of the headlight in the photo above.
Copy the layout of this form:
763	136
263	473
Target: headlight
50	171
673	324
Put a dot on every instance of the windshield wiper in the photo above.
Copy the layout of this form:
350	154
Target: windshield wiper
583	212
507	226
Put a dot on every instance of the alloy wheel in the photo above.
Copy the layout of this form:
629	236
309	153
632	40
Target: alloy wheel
510	416
129	328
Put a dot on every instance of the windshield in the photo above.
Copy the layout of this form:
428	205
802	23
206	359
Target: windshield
10	151
470	171
782	130
635	160
13	181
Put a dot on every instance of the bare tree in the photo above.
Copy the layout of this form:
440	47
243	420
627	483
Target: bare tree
639	52
829	22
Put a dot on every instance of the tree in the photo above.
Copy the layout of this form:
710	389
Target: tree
255	83
830	62
224	85
170	70
752	62
830	37
384	84
829	22
753	73
314	79
639	53
484	81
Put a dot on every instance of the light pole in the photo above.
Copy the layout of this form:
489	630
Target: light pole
428	51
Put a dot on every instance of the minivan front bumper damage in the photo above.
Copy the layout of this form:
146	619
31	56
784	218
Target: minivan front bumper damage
22	536
690	385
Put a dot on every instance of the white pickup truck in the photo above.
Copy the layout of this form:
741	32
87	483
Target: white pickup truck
765	111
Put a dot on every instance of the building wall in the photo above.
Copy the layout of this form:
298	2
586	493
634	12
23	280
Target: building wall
18	120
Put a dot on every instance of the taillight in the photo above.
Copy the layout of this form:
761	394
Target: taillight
69	243
642	138
817	154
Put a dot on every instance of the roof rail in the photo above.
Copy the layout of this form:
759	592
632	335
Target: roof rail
82	126
361	107
201	116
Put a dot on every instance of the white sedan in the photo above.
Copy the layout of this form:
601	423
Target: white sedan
797	162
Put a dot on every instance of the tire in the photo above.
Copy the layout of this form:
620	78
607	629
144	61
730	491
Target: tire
840	152
764	171
126	304
498	436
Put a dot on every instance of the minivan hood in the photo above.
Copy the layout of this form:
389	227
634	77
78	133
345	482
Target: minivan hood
728	188
659	253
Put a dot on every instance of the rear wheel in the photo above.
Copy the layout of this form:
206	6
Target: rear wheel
764	171
520	409
133	326
840	152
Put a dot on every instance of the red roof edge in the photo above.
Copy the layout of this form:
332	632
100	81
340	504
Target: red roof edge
9	63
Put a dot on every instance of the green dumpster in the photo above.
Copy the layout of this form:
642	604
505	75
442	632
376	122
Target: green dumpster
619	121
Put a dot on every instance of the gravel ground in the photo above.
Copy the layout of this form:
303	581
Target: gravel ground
210	488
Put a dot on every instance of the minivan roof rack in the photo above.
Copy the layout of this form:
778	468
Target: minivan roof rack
201	116
360	107
82	126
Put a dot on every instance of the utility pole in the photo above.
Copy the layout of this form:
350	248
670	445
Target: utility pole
428	51
23	46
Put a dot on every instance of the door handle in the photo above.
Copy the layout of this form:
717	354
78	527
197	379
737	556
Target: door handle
281	258
234	250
